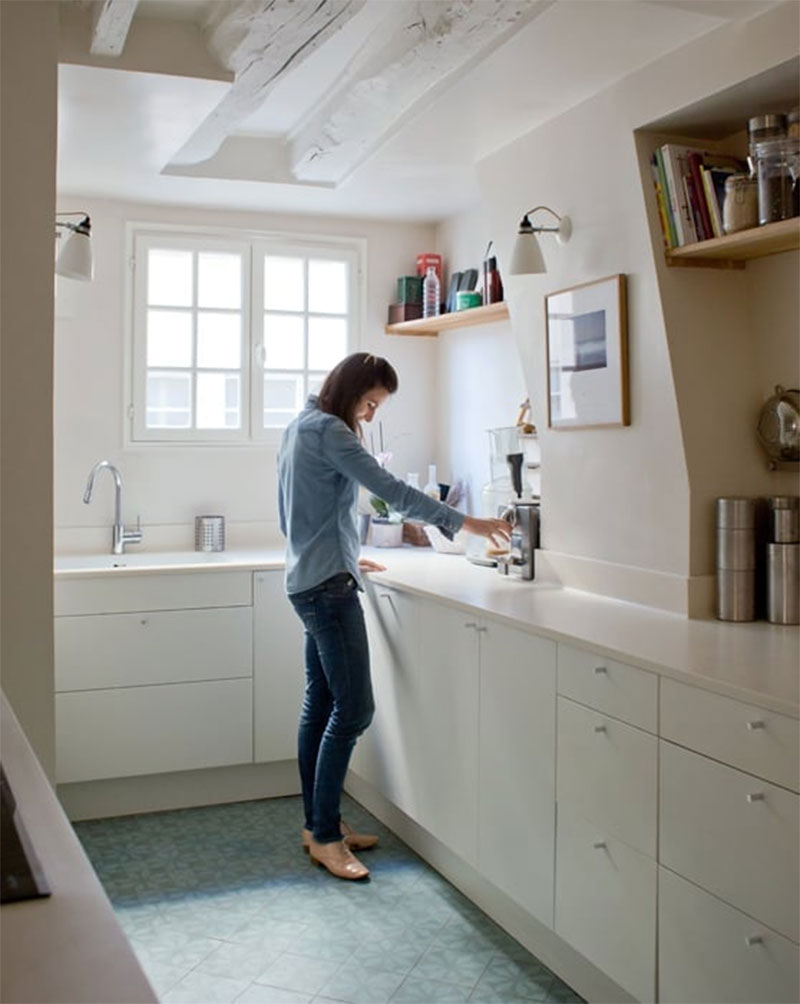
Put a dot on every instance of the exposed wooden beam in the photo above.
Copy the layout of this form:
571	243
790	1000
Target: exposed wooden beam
111	20
437	41
261	40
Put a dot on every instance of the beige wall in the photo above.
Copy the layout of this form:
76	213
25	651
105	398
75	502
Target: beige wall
703	345
28	53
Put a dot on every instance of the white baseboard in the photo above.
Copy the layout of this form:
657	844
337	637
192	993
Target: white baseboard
690	596
585	978
125	796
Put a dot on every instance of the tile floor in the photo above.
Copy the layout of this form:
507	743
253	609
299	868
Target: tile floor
220	904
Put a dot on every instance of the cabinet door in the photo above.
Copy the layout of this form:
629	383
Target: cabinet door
380	755
606	903
709	952
608	771
442	728
278	674
171	646
732	834
150	730
516	820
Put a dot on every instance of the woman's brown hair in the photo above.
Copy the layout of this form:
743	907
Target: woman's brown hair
350	380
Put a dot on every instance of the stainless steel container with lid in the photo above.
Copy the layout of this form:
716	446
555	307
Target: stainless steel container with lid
783	583
784	519
736	558
762	127
209	533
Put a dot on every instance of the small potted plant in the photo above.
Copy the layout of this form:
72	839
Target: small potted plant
386	525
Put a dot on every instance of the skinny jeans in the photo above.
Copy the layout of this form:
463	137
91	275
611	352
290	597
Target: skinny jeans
337	704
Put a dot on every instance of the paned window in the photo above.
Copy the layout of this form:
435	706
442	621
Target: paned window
230	336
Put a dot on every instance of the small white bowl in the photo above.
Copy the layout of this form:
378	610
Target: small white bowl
440	543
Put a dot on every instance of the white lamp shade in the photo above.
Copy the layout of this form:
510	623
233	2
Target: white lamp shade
526	258
74	257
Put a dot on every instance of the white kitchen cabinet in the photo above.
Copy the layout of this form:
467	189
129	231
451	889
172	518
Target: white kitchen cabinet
516	810
608	771
606	902
421	750
147	689
760	742
610	686
732	834
278	669
710	952
381	755
149	730
152	647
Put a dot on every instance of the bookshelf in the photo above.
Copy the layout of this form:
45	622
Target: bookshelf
734	250
431	326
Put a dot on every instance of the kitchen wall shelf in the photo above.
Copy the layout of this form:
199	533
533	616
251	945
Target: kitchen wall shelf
733	250
431	326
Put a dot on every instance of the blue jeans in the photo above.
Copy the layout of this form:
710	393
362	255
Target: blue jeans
338	703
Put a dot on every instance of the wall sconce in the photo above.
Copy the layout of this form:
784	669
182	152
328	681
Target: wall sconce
526	259
74	256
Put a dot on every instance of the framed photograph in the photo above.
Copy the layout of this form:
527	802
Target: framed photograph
587	355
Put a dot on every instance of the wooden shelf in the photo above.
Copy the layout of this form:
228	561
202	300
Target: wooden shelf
733	250
431	326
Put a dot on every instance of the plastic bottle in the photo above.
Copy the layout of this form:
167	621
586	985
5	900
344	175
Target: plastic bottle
432	485
430	293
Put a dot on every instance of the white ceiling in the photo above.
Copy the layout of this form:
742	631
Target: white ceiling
121	130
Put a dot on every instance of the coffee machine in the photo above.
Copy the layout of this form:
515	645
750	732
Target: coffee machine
523	515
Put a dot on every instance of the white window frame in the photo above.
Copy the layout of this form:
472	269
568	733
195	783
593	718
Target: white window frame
142	236
305	250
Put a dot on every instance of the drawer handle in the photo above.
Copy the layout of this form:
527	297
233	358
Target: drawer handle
385	596
471	624
143	620
757	724
756	796
599	845
753	939
600	728
481	630
599	670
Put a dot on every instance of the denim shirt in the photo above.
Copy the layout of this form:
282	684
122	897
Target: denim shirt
321	463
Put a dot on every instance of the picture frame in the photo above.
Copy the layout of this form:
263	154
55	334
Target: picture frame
587	355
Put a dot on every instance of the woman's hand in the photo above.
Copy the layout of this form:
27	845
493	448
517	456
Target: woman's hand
368	565
497	530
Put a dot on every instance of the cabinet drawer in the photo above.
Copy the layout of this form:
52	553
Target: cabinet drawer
608	772
159	591
761	742
606	903
619	690
732	834
149	730
124	650
707	951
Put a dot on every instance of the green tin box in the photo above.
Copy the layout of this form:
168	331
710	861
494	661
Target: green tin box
409	289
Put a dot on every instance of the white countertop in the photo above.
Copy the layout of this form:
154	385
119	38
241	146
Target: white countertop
69	946
757	662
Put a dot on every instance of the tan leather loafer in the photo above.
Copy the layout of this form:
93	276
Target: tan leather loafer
338	859
355	841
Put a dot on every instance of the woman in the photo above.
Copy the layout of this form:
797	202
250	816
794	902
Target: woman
321	464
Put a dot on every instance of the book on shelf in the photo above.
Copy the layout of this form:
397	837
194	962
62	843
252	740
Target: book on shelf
695	201
661	202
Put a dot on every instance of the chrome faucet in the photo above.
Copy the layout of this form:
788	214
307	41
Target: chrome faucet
119	535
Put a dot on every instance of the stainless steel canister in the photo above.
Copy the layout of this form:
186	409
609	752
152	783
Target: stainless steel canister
784	519
209	533
736	558
783	583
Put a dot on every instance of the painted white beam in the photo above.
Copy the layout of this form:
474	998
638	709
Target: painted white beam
261	40
111	21
437	41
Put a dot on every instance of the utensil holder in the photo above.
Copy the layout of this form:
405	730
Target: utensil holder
736	559
209	533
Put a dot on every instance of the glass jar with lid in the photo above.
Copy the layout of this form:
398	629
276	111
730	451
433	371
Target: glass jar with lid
761	128
740	208
778	163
